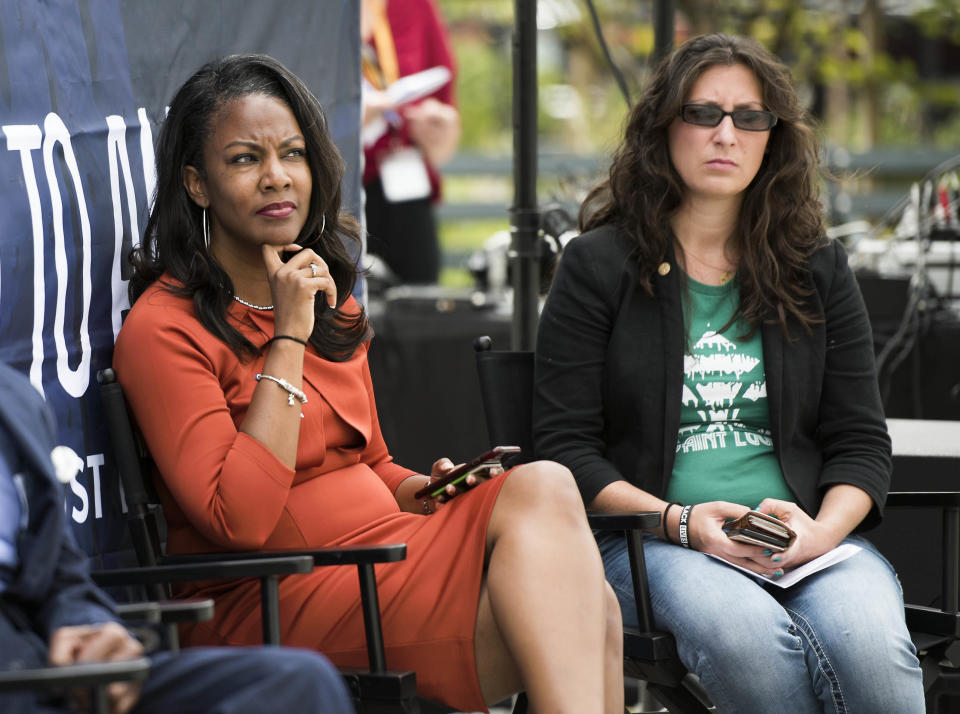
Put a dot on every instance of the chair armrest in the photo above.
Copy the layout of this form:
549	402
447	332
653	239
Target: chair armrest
631	523
75	675
626	521
932	621
144	611
186	610
168	611
208	570
337	555
923	499
363	556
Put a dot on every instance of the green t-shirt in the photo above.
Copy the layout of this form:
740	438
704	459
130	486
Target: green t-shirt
724	446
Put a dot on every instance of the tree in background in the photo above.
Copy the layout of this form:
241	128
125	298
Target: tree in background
873	77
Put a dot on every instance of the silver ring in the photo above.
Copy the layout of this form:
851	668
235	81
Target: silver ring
315	269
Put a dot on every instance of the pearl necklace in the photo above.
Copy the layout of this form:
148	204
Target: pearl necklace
250	304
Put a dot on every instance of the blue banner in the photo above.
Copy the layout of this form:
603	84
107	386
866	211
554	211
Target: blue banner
83	88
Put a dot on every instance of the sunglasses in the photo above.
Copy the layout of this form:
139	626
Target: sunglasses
710	115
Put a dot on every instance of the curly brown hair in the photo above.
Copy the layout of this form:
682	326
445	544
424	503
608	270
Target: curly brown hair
781	217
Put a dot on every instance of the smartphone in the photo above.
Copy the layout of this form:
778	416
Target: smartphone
458	474
761	529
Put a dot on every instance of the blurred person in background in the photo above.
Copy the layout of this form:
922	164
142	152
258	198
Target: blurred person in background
406	139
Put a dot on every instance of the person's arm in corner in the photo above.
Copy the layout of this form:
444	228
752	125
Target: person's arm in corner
852	428
107	642
75	615
571	355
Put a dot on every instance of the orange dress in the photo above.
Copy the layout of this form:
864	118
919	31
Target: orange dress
223	490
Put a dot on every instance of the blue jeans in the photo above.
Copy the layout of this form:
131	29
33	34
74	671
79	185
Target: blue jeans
834	642
201	680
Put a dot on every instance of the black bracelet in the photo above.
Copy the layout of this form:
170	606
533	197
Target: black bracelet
287	337
684	526
663	521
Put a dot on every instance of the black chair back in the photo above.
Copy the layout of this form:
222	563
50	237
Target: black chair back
506	390
134	466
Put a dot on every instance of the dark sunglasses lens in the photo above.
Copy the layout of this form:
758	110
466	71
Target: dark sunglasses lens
702	115
752	120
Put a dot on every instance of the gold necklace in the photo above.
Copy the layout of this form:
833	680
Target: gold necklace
725	275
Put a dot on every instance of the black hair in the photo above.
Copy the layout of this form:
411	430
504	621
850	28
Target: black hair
173	241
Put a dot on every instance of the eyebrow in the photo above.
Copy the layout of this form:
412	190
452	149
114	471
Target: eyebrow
255	145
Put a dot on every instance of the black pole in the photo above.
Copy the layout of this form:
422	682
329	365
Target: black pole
524	215
663	29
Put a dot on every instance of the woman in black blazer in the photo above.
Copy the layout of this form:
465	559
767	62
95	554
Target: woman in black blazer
704	344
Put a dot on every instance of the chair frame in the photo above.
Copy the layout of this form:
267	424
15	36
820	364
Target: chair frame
93	676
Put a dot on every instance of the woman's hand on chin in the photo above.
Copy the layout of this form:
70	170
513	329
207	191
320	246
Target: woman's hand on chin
294	285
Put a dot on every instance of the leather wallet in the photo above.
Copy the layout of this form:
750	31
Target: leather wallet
757	528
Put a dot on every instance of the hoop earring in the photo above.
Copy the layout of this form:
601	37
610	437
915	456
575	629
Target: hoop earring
206	230
323	224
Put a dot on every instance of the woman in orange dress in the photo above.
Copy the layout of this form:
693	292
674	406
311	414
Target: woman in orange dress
244	359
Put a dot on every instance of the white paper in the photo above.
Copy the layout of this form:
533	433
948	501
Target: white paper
418	85
832	557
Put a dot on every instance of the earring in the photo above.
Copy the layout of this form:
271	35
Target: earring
323	224
206	230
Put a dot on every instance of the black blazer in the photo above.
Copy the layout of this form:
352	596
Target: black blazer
609	374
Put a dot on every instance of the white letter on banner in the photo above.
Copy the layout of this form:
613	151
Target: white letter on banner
149	163
79	515
95	461
26	138
75	382
117	145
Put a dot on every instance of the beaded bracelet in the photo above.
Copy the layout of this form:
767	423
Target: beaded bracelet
286	386
426	501
684	523
663	521
287	337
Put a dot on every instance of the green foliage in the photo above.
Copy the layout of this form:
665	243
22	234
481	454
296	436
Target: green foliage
463	236
941	18
483	91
